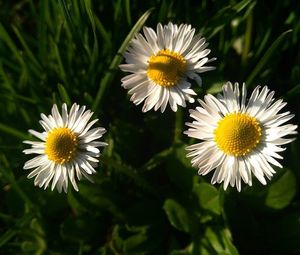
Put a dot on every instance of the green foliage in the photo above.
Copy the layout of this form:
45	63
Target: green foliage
146	197
177	215
208	197
281	192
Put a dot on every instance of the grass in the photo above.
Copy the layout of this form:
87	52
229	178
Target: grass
146	199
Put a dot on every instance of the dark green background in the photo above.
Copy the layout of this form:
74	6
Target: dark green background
146	199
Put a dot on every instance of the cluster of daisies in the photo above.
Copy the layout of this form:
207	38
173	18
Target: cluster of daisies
238	137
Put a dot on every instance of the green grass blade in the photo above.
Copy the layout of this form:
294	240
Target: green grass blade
247	38
163	10
32	8
10	43
117	9
242	5
12	131
262	44
266	57
9	234
5	79
225	15
118	58
8	174
75	34
95	53
295	91
128	13
15	97
26	47
61	69
42	29
63	94
103	32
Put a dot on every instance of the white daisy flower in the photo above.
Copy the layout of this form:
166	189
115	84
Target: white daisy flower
161	62
68	148
240	138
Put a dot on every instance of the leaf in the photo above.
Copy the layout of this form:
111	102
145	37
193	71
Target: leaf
215	88
137	243
105	251
181	252
208	197
117	237
177	215
281	192
219	241
137	240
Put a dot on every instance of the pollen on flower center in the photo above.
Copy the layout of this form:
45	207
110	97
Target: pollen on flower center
61	145
237	134
166	68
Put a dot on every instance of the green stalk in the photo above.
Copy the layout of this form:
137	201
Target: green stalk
117	60
247	39
178	125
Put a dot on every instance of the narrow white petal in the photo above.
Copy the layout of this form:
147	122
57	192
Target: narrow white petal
71	174
57	117
36	161
57	176
41	136
65	114
34	151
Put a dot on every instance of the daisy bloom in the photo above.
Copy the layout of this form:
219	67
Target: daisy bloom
240	138
68	148
161	62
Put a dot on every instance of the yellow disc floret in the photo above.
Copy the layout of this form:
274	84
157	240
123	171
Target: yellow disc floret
166	68
237	134
61	145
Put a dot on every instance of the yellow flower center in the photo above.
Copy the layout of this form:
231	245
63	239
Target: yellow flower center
237	134
61	144
166	68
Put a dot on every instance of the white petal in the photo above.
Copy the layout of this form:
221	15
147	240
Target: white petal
35	162
57	176
71	174
41	136
57	117
64	114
